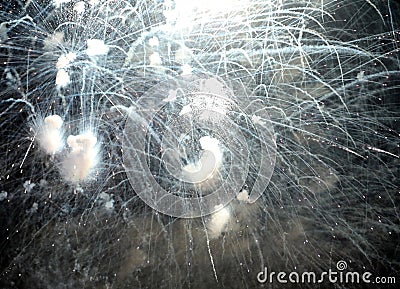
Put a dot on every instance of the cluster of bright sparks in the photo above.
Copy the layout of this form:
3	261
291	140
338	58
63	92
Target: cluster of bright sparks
78	155
83	151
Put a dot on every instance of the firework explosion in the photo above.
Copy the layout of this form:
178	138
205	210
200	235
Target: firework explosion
191	144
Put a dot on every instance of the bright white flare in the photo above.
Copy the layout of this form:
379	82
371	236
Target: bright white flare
243	196
96	47
186	70
82	158
79	7
186	109
50	135
154	42
183	55
209	162
155	59
62	78
180	14
65	59
219	222
94	2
